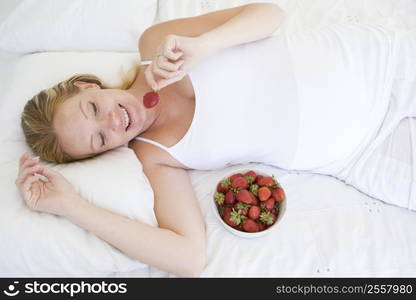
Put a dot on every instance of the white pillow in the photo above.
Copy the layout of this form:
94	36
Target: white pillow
86	25
39	244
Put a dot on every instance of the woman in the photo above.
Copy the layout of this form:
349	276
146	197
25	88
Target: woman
229	93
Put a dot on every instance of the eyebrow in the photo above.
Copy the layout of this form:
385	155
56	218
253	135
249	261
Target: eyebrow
86	117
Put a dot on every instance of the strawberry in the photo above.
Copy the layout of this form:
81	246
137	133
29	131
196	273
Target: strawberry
250	226
258	177
239	182
249	179
151	99
266	181
243	208
279	194
244	196
236	217
254	201
229	198
254	212
251	174
267	217
254	189
219	198
269	204
223	186
221	210
232	177
262	226
227	217
264	193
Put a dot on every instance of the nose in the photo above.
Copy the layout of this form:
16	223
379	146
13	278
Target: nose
115	120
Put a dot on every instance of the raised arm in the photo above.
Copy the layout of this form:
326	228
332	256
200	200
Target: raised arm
176	46
219	29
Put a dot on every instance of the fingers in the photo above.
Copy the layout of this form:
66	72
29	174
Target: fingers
163	73
163	63
29	162
31	191
164	69
172	55
48	173
28	182
171	44
25	163
23	158
165	82
26	172
148	74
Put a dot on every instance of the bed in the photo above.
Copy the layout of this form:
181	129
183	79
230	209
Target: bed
330	229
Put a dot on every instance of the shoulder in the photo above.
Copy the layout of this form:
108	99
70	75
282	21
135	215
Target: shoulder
149	154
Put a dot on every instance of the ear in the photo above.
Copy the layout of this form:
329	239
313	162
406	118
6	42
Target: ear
86	85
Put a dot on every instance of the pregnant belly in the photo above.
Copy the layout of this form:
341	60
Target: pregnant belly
343	90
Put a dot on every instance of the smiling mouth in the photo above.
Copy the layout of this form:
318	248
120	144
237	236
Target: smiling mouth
126	117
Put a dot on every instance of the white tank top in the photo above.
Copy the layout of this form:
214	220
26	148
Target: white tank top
296	102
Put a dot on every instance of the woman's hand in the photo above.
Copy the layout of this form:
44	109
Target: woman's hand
174	58
53	196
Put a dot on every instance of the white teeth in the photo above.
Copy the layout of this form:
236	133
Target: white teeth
126	118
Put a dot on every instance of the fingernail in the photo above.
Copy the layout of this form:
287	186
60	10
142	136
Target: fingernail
36	158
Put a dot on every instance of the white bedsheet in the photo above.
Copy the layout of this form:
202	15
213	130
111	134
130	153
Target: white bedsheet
329	230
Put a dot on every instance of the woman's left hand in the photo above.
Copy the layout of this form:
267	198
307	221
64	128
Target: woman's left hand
175	57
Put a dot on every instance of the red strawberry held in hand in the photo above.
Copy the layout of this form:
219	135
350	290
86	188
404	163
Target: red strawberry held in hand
151	99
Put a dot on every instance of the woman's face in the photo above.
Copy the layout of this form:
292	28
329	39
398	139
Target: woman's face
94	120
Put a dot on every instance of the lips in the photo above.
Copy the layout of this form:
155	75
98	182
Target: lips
126	117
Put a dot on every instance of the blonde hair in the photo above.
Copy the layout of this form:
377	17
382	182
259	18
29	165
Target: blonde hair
38	113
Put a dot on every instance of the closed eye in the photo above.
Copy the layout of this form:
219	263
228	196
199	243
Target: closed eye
95	108
95	113
102	140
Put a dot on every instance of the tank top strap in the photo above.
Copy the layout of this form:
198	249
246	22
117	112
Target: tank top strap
152	142
145	62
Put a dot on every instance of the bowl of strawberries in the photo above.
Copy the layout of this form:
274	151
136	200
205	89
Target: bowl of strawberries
249	204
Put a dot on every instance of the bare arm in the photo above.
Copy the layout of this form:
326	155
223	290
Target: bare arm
177	246
219	29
